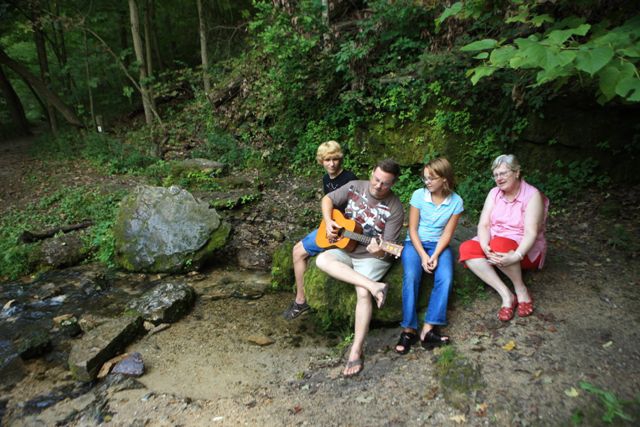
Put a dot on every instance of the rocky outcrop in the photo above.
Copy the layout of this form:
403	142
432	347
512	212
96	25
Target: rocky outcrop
166	230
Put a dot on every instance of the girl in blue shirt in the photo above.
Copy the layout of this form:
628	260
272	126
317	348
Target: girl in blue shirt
433	217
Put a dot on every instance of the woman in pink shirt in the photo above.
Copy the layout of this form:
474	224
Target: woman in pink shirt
510	236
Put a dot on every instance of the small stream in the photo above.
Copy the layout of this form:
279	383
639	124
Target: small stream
41	320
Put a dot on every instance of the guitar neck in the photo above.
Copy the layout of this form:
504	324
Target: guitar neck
360	238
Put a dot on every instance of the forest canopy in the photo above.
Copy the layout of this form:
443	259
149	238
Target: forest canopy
268	80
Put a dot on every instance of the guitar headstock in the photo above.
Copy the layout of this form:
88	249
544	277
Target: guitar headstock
391	248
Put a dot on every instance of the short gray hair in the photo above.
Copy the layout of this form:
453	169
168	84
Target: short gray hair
508	159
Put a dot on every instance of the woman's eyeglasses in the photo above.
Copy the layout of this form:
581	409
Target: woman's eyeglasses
502	174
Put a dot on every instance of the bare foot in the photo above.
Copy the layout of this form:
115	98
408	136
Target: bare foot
381	295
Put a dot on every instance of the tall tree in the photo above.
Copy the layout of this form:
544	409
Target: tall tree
203	49
15	106
41	49
140	57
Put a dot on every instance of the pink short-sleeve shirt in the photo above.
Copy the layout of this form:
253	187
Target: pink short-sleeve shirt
507	219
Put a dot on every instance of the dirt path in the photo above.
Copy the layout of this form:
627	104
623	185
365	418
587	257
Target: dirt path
206	370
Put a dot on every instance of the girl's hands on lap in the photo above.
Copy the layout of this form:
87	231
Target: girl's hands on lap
425	263
432	264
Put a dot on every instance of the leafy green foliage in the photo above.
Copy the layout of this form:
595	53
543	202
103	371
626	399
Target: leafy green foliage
65	206
613	407
567	48
223	147
567	179
104	151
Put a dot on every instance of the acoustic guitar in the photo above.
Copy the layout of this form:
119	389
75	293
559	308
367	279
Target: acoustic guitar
350	235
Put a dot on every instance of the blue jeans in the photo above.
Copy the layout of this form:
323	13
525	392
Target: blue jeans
412	277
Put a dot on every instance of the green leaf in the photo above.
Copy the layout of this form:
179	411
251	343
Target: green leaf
520	17
629	88
479	45
538	20
452	10
534	56
612	75
547	75
501	56
480	72
630	52
609	77
482	55
558	58
558	37
593	60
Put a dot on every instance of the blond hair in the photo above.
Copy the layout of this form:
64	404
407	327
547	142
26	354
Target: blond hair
329	149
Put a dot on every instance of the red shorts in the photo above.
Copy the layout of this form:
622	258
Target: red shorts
471	249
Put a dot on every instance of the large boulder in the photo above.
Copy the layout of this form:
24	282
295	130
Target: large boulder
166	230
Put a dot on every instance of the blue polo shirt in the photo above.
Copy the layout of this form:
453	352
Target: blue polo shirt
433	219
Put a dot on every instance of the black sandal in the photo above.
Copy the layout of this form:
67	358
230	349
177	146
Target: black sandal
432	340
406	340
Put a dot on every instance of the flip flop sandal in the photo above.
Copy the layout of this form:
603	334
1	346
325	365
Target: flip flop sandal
525	308
353	364
432	340
407	339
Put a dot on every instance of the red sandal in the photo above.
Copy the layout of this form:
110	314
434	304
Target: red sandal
506	313
525	308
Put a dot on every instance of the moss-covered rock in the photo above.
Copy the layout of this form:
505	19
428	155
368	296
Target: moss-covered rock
282	277
334	302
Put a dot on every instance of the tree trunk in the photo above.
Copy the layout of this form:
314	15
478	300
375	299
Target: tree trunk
203	50
60	47
147	37
140	57
154	35
14	104
41	89
44	69
88	76
147	48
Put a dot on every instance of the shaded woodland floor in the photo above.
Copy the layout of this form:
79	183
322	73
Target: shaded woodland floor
207	370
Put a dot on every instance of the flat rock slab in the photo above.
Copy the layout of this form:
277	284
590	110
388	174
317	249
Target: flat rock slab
101	344
165	303
11	366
